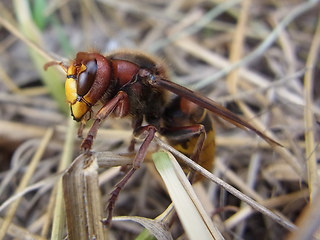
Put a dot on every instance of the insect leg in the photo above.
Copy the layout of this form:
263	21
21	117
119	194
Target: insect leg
81	127
136	164
136	124
83	123
118	102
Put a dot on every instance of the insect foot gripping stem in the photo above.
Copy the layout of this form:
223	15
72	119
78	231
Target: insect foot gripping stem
136	164
114	195
87	142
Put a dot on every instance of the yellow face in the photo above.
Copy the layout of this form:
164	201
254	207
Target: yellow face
79	104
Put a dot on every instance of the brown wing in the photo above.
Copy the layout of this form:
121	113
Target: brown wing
210	105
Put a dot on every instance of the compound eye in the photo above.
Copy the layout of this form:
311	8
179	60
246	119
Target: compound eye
86	78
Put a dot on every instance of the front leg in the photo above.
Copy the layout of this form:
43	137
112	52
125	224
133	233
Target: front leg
119	105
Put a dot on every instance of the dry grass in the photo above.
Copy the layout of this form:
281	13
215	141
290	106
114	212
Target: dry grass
258	58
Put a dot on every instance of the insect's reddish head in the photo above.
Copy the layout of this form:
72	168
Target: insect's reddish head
88	78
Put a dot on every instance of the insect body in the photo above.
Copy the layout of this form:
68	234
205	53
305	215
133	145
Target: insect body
190	130
133	84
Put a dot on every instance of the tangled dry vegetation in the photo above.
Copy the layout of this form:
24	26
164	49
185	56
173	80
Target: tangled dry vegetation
260	59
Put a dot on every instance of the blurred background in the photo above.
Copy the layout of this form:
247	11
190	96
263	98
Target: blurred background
260	59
